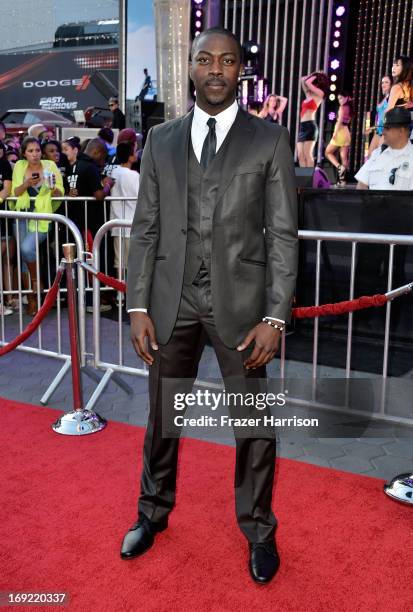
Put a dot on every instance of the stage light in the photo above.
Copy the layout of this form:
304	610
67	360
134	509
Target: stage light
331	97
254	49
335	64
260	90
333	87
199	14
198	24
336	44
244	93
337	24
339	11
201	1
197	33
337	34
331	116
333	77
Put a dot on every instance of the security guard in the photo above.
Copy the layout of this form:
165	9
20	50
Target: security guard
391	166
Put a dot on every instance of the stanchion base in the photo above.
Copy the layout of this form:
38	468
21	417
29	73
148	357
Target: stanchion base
400	488
79	423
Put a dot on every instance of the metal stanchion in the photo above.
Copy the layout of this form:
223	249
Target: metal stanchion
77	422
400	488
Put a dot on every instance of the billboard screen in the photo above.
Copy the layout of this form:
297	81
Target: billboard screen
56	80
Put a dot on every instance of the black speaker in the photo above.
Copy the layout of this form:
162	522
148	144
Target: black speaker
148	113
304	177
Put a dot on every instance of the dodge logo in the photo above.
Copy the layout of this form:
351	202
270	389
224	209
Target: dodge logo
52	83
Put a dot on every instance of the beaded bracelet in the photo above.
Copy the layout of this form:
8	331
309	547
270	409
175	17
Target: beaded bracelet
274	324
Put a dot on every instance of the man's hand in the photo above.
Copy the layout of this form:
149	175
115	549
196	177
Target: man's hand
142	331
267	340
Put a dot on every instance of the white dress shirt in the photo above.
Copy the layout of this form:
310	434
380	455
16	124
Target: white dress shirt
375	173
199	131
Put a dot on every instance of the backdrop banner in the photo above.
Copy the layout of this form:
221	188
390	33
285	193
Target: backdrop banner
56	80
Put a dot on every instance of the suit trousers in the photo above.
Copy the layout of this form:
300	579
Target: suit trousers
255	456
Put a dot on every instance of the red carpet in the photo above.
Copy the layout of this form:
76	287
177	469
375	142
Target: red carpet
66	503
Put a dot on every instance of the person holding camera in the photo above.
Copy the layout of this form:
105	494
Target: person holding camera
34	182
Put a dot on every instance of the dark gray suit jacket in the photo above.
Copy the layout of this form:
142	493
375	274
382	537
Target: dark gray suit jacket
253	272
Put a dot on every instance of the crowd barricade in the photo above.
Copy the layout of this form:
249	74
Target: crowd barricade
48	255
116	365
76	220
16	285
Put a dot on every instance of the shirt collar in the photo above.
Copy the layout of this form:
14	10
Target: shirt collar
400	152
224	119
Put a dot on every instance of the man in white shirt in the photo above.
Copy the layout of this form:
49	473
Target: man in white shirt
391	168
126	186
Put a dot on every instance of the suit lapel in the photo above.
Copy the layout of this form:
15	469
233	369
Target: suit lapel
180	159
238	141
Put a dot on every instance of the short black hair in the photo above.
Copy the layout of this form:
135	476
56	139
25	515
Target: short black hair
124	150
44	144
217	30
106	134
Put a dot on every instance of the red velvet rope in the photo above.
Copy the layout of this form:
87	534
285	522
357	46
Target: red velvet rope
366	301
111	282
305	312
38	318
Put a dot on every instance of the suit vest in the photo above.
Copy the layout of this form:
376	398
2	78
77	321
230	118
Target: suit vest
202	192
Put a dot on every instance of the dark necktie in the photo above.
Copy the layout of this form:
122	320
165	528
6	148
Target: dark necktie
210	144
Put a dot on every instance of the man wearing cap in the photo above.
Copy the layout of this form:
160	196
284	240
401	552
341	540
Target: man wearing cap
390	166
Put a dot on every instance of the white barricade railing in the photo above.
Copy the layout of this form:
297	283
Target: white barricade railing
9	323
118	366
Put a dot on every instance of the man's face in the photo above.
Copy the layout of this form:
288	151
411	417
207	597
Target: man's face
113	106
214	70
395	136
2	133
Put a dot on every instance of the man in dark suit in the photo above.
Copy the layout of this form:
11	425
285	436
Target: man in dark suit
213	253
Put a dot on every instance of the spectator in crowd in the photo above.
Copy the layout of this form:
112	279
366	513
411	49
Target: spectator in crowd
147	83
118	121
7	242
40	131
106	134
126	135
126	186
391	168
273	108
5	174
13	141
12	156
84	180
34	182
2	131
51	149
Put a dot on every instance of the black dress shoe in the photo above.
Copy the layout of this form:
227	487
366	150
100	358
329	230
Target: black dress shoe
264	561
140	537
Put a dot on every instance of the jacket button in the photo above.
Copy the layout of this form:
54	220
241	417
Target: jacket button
183	231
